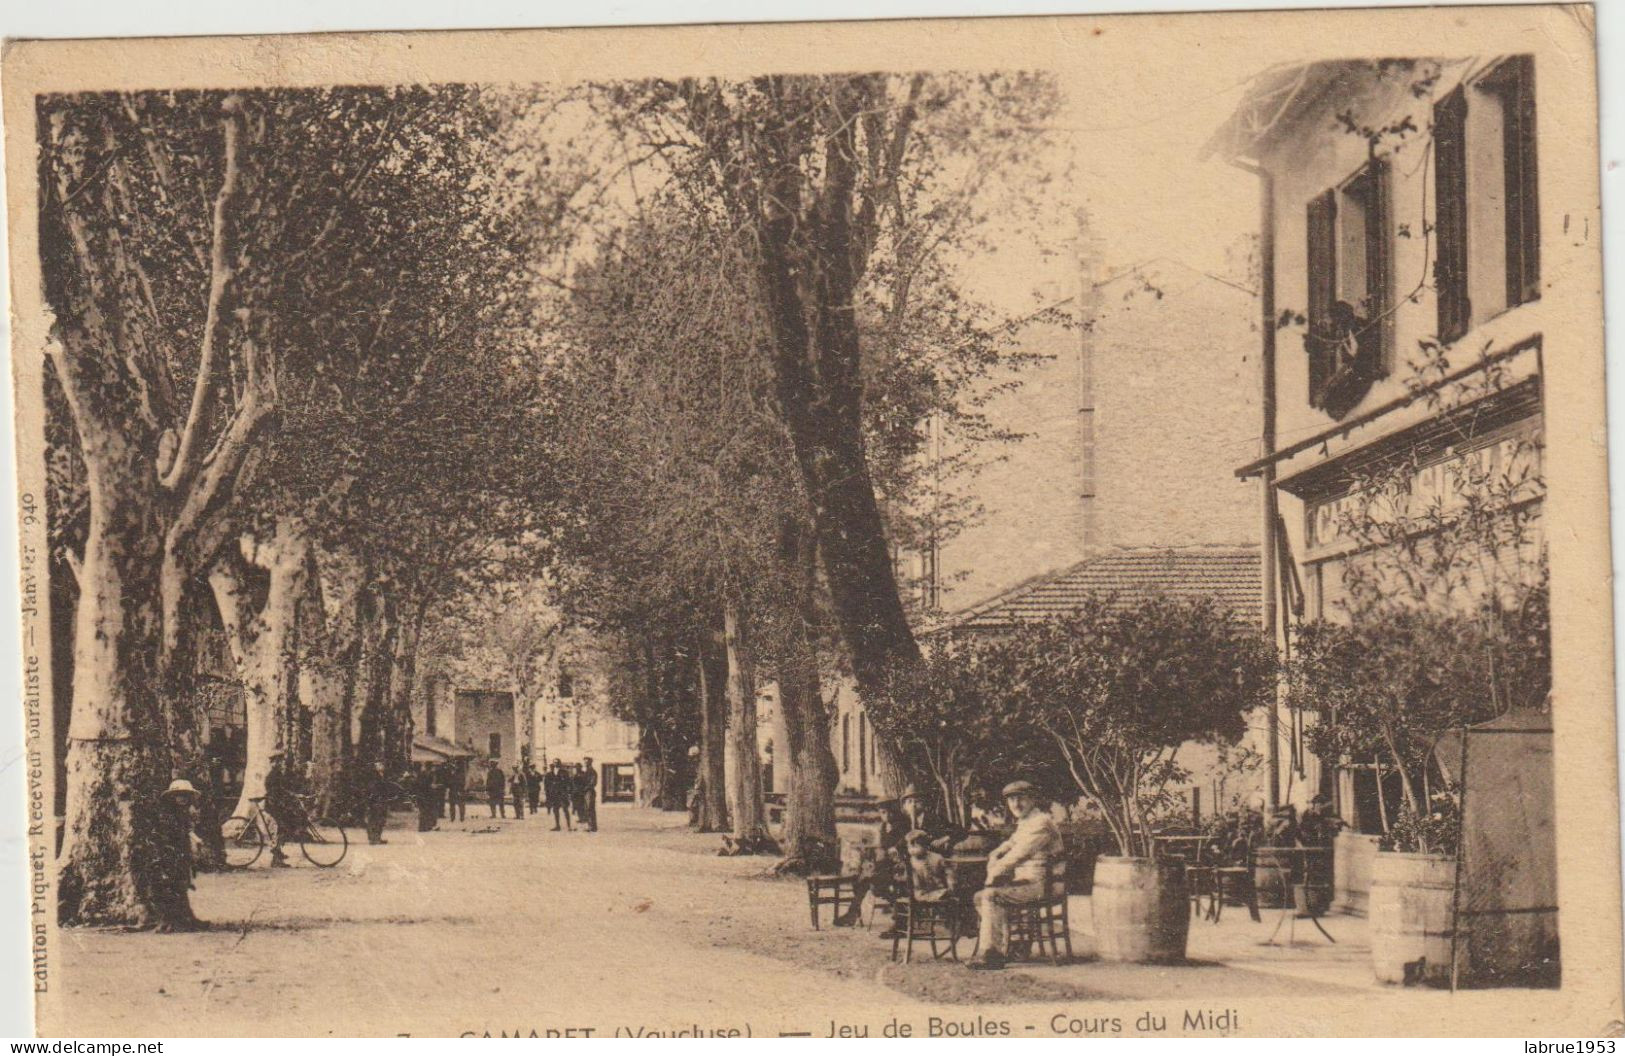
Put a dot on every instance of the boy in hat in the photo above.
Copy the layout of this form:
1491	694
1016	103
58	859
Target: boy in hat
929	869
1017	869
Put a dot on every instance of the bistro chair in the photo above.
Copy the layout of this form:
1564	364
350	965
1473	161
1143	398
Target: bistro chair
1233	886
1045	923
840	893
933	918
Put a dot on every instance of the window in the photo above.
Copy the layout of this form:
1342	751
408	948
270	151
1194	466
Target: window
863	750
567	686
1450	212
1322	228
846	744
496	746
1513	82
1349	268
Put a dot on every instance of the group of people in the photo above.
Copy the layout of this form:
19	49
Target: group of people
916	845
1233	837
569	791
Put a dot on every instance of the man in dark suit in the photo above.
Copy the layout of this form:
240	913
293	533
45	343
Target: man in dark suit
381	792
587	782
559	791
496	787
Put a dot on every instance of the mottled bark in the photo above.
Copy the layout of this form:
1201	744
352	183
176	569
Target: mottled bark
745	806
809	810
711	667
330	674
155	495
117	865
262	639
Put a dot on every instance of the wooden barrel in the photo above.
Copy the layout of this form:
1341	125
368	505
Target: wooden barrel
1412	915
1273	876
1141	910
1352	856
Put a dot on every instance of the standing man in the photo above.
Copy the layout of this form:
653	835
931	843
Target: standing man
282	805
517	783
559	795
456	794
533	785
380	793
495	790
589	794
1016	871
427	794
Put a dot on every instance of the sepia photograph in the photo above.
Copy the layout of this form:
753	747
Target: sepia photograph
1013	527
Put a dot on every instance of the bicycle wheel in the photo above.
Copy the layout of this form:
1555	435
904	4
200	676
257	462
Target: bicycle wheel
244	842
324	844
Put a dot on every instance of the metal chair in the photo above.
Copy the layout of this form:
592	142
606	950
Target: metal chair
1046	922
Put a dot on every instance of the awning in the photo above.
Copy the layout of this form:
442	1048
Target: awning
427	748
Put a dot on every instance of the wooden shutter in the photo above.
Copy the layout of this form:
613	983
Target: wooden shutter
1379	265
1522	191
1450	210
1322	274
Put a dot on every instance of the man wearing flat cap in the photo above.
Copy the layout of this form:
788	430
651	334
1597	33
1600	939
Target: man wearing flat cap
1017	869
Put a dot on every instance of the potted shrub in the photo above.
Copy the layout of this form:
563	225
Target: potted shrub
950	721
1119	688
1387	688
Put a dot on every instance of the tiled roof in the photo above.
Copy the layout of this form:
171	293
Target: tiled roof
1227	574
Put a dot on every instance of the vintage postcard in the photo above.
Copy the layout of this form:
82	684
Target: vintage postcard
1014	527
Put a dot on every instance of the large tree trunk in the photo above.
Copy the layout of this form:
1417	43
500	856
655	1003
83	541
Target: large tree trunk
119	865
377	664
711	667
809	275
809	812
331	675
262	639
745	806
398	728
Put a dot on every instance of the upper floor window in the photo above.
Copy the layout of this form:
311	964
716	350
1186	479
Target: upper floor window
1450	215
1512	84
1485	194
1350	271
567	686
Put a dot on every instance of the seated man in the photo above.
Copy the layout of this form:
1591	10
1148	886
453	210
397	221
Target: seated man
882	872
1016	870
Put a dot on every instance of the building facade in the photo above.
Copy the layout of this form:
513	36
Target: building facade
1405	247
574	721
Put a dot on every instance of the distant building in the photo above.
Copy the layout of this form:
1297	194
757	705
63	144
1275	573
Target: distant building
574	721
1134	423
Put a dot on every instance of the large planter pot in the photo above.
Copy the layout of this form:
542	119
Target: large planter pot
1141	910
1412	917
1274	872
1353	855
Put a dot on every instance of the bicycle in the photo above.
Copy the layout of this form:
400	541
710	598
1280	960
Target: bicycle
323	843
